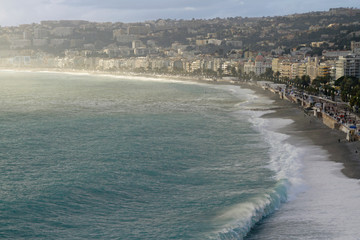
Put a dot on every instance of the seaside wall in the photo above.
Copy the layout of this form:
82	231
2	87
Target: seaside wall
292	98
330	122
327	120
333	124
343	129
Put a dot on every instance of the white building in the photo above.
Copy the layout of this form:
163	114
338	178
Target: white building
348	66
258	66
137	44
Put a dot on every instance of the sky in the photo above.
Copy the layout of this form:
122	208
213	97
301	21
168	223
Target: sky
16	12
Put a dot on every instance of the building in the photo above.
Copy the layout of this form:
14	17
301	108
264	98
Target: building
137	44
302	69
40	42
295	68
355	47
40	33
20	61
203	42
285	69
27	35
317	44
196	65
177	65
324	70
249	66
348	66
217	63
258	66
312	67
141	51
20	43
62	31
235	44
275	65
335	54
340	67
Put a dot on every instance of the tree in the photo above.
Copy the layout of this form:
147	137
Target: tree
220	72
269	73
277	75
348	86
355	99
318	81
233	71
316	51
228	69
305	80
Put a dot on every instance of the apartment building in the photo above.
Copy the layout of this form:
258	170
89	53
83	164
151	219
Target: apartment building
285	69
324	70
348	66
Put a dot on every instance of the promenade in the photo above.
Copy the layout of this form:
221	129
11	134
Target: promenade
334	114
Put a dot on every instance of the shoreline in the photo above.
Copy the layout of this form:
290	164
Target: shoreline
304	126
119	74
312	128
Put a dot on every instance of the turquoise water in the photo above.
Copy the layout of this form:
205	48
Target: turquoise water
96	157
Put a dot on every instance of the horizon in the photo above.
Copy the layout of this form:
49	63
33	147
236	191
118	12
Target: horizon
16	13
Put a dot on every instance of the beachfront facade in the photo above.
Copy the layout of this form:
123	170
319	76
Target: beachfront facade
291	68
258	66
287	67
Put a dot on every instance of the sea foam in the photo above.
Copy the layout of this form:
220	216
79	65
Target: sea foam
320	201
285	160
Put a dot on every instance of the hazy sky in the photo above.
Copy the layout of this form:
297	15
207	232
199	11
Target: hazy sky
15	12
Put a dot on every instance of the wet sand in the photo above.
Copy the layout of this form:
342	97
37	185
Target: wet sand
309	127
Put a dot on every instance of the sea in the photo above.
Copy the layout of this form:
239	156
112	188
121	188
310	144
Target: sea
118	157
